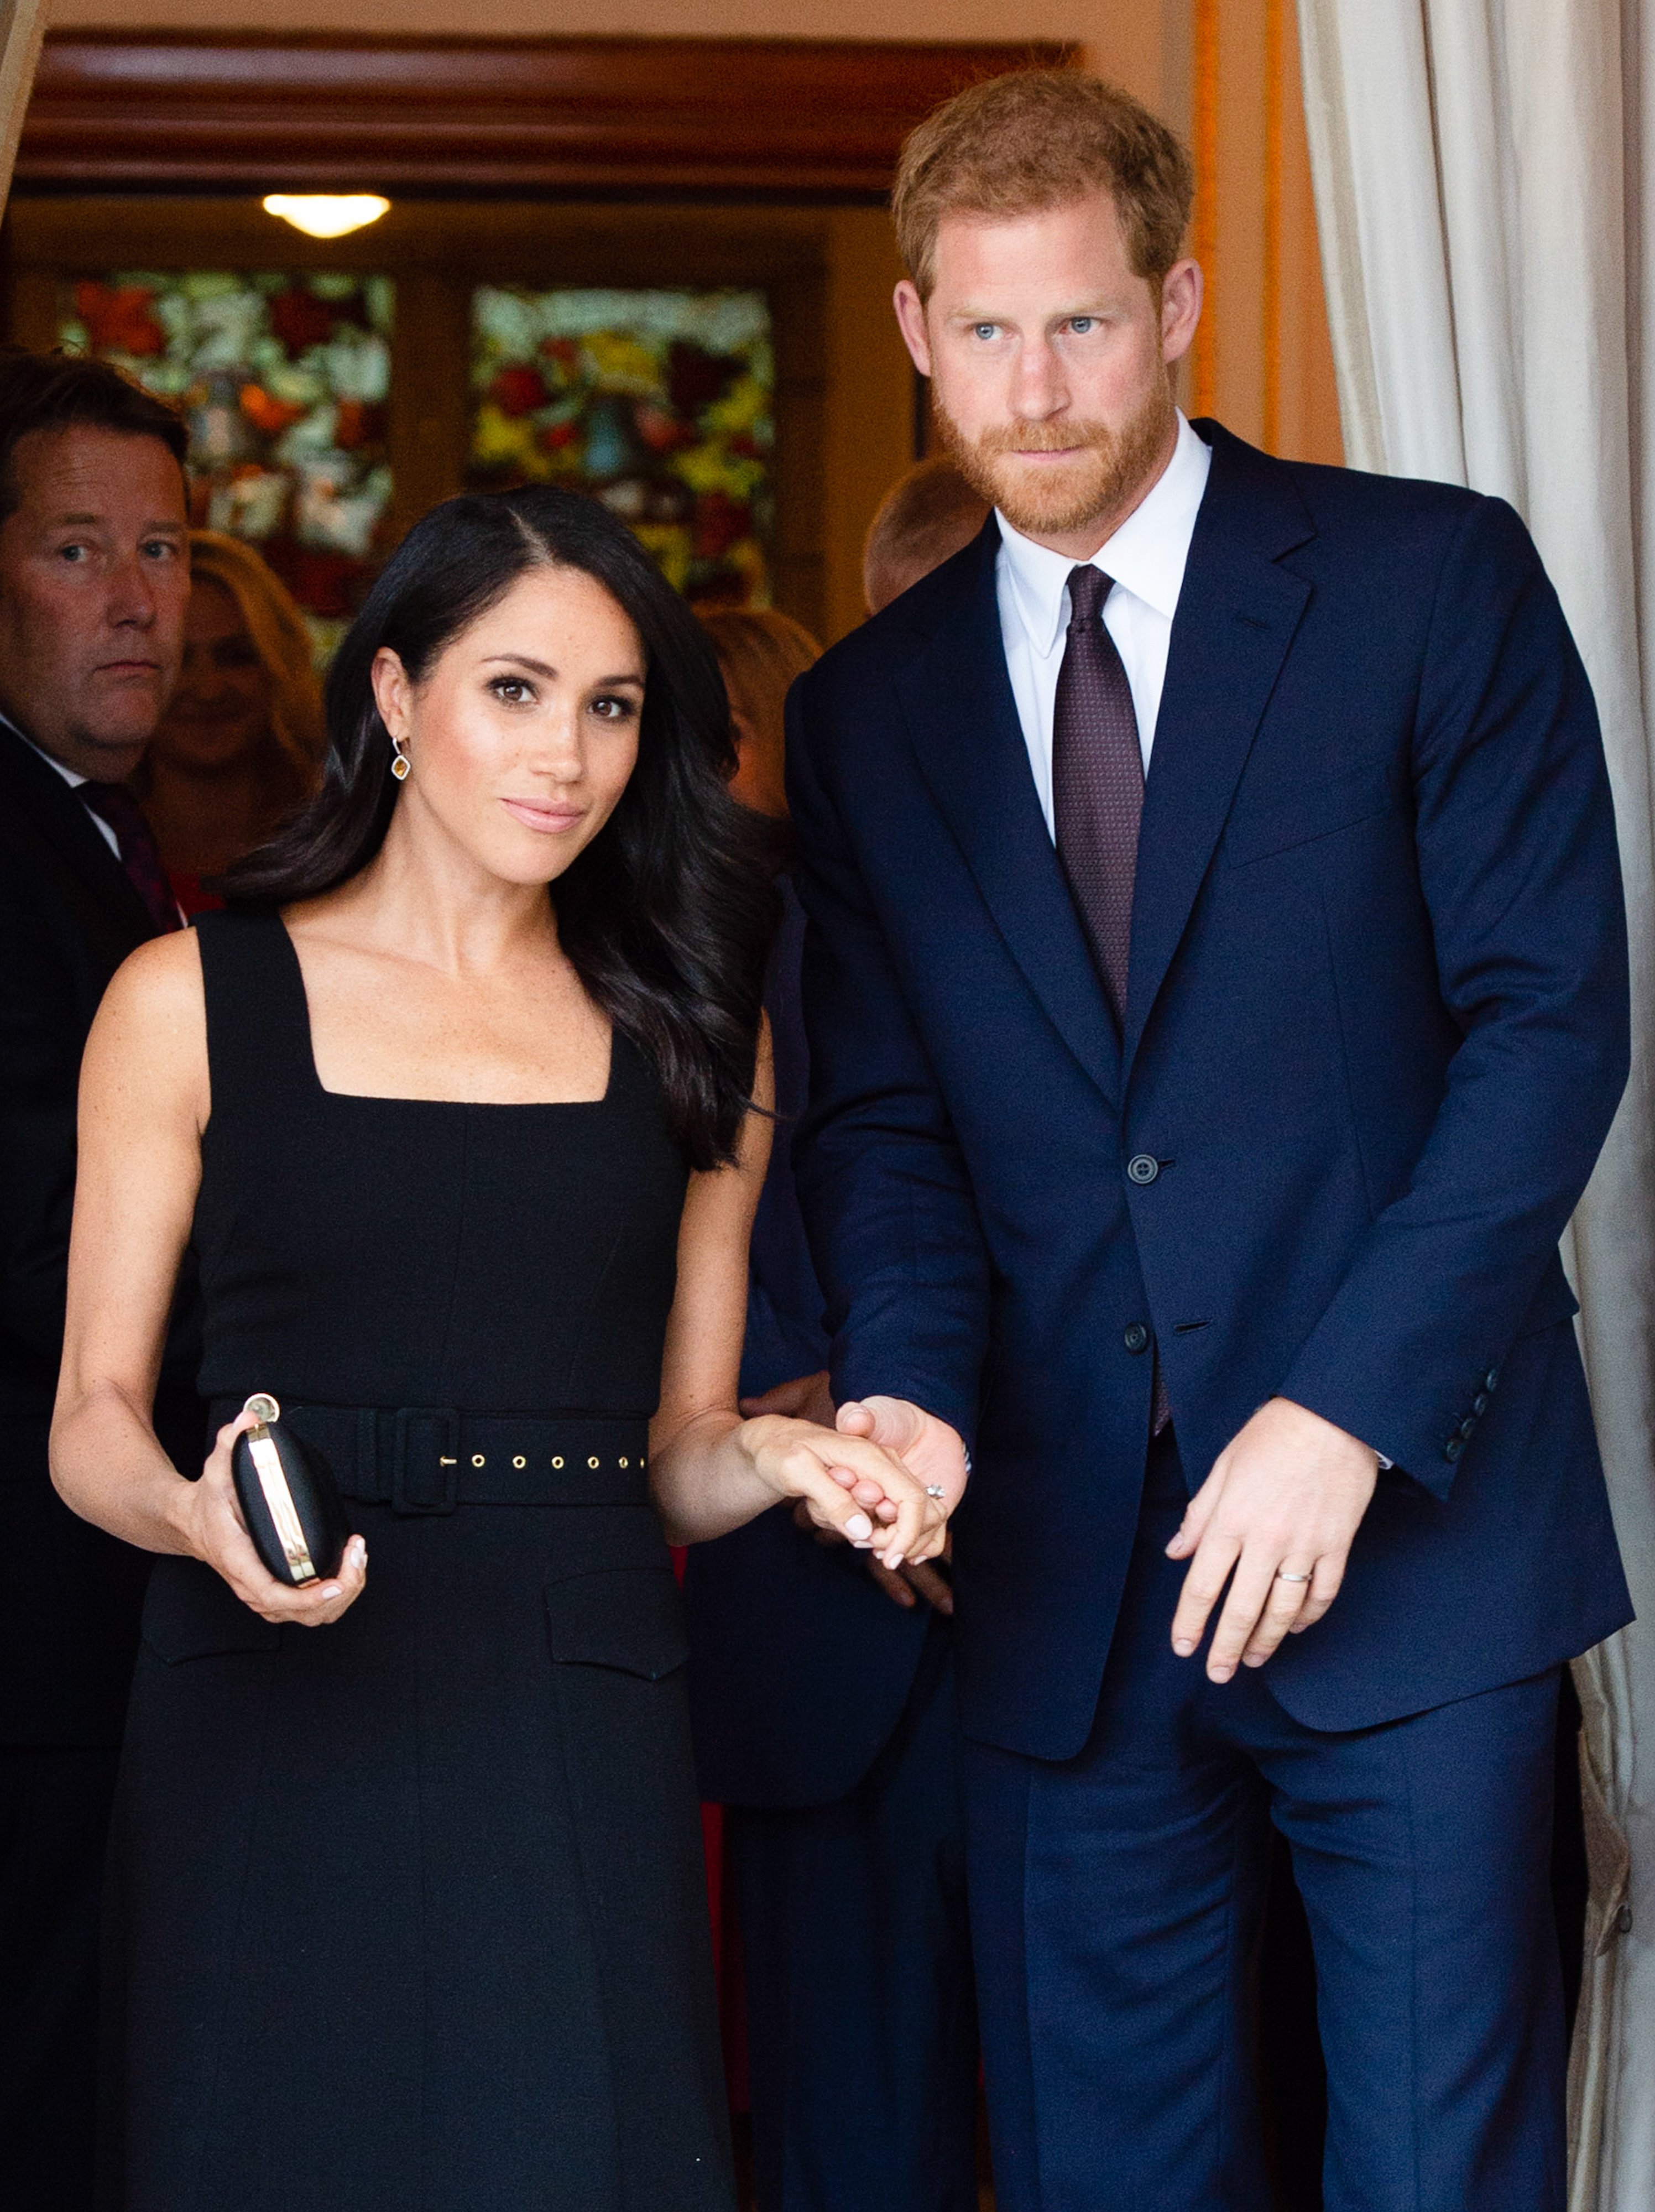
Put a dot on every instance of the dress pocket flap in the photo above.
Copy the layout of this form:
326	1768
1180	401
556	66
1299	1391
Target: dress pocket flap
629	1618
191	1613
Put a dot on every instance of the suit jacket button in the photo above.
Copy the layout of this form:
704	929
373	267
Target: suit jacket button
1136	1337
1480	1404
1468	1425
1452	1448
1143	1167
1491	1378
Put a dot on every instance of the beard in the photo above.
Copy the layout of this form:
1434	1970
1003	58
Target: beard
1109	469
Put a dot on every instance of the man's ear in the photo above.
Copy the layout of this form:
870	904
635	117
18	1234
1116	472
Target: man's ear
910	321
1181	297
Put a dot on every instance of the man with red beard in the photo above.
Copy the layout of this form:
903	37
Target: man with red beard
1215	986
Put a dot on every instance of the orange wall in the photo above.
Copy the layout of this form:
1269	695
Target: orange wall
1263	361
1125	35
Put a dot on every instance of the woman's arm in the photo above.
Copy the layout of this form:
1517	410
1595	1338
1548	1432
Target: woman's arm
144	1103
712	1471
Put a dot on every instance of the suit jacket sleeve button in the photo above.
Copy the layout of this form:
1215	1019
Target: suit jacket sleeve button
1136	1337
1468	1425
1480	1404
1491	1378
1452	1448
1143	1168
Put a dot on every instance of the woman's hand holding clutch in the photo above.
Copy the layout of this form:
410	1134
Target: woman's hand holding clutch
208	1518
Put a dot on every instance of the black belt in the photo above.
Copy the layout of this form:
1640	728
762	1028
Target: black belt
422	1459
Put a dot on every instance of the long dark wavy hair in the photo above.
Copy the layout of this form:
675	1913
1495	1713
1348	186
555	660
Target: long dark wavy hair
668	914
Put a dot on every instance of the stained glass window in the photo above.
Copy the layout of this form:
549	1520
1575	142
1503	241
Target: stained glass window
284	381
661	402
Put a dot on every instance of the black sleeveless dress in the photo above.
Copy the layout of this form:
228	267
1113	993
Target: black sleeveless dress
411	1910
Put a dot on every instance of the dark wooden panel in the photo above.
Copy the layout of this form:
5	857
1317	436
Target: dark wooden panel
479	241
781	118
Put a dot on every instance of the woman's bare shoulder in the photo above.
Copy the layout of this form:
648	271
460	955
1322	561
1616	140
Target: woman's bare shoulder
160	982
152	1024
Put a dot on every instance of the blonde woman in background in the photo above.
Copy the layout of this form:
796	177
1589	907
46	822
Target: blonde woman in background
241	742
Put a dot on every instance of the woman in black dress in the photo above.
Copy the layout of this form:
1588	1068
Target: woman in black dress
408	1907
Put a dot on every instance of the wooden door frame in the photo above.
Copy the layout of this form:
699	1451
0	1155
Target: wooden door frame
782	119
722	161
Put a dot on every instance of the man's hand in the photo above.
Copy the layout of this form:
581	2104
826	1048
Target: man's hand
806	1398
923	1576
1281	1508
927	1448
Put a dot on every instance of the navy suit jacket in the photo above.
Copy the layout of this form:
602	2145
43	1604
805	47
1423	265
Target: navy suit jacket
70	1595
799	1665
1376	1030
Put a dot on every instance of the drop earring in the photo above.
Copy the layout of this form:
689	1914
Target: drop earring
399	762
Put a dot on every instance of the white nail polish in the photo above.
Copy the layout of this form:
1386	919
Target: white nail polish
858	1528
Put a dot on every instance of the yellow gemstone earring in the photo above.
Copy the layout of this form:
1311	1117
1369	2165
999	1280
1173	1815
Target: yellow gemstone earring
400	763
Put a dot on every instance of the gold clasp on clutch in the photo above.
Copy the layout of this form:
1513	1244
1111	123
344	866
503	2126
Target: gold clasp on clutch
267	1465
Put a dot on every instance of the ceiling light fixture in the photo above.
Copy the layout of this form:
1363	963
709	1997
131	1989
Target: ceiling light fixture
326	214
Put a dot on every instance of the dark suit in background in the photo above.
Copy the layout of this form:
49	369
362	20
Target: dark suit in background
1375	1032
70	1595
824	1723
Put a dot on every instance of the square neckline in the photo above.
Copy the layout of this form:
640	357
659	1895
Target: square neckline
451	1105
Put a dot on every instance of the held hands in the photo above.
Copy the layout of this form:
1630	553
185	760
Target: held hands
860	1479
808	1398
1285	1500
933	1451
208	1517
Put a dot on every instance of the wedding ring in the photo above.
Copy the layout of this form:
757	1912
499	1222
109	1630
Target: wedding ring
1282	1576
935	1490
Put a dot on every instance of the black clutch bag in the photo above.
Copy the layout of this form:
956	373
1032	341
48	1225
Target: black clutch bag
289	1499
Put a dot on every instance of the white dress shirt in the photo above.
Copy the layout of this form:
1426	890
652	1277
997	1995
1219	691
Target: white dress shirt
1147	557
74	781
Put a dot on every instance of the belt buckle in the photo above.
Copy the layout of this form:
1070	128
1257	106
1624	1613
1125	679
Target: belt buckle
425	1459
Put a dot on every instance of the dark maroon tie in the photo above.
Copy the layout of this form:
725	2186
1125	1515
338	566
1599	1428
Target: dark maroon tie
1097	780
140	855
1098	797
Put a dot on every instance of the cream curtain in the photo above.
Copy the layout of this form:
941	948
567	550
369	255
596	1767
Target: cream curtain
1485	186
22	27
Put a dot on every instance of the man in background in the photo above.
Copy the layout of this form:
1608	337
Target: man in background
929	515
94	583
822	1685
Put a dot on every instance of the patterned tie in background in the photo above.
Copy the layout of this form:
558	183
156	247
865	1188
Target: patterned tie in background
1098	797
140	855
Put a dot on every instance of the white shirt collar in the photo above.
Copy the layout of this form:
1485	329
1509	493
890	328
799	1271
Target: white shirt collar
1147	556
70	776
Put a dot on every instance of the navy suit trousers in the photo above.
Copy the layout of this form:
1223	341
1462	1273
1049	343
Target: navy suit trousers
862	2026
1117	1899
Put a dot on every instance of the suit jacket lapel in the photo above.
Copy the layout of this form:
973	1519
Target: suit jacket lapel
1237	615
32	788
956	698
